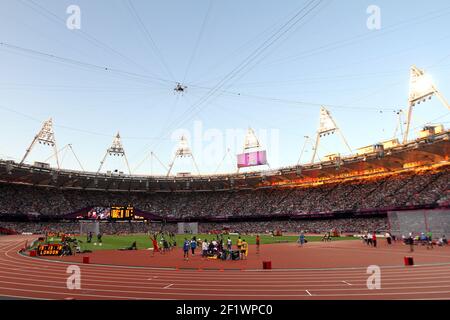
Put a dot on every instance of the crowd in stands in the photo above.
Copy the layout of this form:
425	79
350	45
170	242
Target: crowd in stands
397	190
355	225
73	227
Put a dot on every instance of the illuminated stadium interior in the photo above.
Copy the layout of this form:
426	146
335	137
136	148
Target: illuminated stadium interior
193	145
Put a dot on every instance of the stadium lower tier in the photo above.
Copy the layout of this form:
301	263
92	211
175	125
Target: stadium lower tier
396	190
378	224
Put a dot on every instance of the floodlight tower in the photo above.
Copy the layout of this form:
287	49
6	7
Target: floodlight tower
45	136
183	150
421	89
116	149
327	126
252	146
251	140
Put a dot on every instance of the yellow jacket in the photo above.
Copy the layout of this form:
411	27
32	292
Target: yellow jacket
245	247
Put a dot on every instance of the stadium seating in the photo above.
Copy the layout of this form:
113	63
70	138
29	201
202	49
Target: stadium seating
393	191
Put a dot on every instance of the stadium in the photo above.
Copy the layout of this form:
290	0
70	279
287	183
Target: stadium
325	228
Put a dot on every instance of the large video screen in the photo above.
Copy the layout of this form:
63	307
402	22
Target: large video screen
99	213
251	159
122	213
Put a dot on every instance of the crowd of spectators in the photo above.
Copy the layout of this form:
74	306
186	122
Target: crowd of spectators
355	225
393	191
73	227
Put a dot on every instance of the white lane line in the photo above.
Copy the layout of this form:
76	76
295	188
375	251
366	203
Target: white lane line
167	287
277	277
303	274
308	292
410	274
347	283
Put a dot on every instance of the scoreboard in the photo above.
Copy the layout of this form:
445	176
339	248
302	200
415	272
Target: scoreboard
50	249
122	213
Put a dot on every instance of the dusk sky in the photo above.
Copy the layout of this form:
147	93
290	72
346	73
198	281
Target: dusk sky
118	73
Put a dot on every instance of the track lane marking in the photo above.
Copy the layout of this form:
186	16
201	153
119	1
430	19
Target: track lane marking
302	273
169	273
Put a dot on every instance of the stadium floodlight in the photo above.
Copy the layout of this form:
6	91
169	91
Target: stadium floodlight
420	86
421	89
251	140
183	150
46	137
252	155
116	149
327	126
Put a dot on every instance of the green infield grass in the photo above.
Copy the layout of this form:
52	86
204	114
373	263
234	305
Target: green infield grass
111	242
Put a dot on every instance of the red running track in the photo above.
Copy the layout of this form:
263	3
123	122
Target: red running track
25	277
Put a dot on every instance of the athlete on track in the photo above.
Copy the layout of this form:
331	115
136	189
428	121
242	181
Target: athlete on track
155	243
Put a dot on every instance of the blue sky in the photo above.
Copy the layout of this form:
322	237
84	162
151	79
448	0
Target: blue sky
330	58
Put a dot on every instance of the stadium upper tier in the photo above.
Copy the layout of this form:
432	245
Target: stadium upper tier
427	187
421	153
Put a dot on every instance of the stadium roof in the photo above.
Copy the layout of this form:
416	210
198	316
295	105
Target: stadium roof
426	152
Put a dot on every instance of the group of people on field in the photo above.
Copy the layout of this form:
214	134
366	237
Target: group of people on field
167	242
424	239
370	238
217	248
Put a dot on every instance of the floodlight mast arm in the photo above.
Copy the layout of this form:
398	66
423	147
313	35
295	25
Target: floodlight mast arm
56	155
102	162
29	149
75	155
104	158
223	159
341	134
307	139
411	106
171	164
195	164
316	145
126	162
153	155
408	123
345	141
59	151
399	125
228	153
441	98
